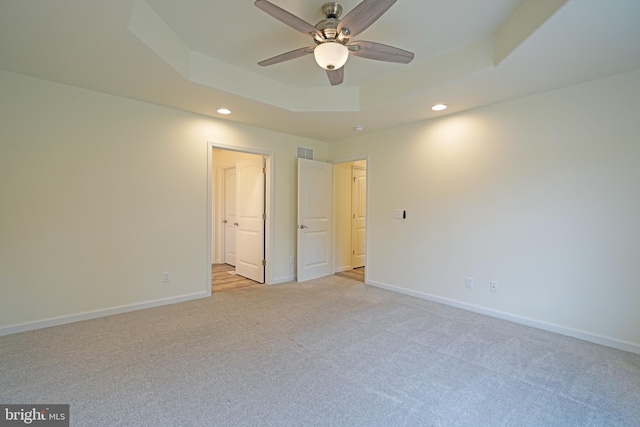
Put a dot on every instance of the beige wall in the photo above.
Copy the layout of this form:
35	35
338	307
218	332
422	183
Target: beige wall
540	194
101	194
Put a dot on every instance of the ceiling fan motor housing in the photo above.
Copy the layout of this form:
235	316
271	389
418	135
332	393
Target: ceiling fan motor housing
329	26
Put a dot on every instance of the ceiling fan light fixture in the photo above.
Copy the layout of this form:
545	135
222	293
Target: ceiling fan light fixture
331	55
332	35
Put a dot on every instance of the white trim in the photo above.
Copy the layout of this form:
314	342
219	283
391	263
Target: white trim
209	225
87	315
270	186
551	327
352	159
285	279
222	212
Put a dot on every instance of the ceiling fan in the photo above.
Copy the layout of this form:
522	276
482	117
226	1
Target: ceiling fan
332	36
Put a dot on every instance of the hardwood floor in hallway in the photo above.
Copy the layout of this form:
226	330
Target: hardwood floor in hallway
223	278
355	274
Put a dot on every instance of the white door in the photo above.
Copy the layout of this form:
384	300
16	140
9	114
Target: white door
250	219
315	186
229	216
358	216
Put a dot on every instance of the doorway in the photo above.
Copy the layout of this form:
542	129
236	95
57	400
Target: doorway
331	228
240	211
358	214
350	213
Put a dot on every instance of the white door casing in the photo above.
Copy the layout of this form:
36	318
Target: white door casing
358	216
250	219
315	228
229	216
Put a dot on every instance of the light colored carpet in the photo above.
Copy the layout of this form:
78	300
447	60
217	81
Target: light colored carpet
330	352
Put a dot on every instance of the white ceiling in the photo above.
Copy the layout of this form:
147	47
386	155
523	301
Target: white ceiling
199	55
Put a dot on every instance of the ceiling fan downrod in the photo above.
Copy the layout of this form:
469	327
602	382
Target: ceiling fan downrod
332	10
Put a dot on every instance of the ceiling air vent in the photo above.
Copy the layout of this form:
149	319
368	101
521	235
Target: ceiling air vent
305	153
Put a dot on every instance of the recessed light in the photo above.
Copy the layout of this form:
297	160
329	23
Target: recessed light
439	107
224	111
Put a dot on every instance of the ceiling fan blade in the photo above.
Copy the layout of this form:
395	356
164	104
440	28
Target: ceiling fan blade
287	18
380	52
297	53
336	76
363	15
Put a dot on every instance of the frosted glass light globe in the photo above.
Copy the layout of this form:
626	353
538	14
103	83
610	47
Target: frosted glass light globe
331	55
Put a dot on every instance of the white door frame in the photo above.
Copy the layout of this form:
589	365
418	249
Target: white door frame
269	225
354	201
224	207
364	157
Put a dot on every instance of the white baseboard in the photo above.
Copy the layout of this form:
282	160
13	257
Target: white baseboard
551	327
285	279
61	320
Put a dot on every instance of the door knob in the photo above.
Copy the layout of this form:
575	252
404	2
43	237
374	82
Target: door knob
225	221
303	226
235	223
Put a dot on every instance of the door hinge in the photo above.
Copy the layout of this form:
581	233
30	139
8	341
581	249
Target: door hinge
264	216
354	216
354	179
264	169
264	262
353	252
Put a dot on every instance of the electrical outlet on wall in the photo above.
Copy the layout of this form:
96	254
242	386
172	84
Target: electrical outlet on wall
493	286
166	277
469	282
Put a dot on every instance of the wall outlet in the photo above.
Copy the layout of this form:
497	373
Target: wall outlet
166	277
469	282
493	286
